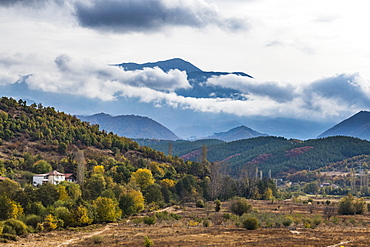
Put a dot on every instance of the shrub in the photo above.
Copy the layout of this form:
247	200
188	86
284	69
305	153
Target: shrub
226	216
96	239
250	223
176	216
33	220
287	221
240	206
8	236
149	220
162	215
148	242
206	223
15	227
217	205
199	204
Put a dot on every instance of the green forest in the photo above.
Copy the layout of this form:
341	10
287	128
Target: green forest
280	155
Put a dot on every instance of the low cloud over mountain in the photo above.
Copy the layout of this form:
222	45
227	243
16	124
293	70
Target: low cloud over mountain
327	98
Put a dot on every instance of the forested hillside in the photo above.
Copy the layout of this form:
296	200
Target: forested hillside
116	177
276	153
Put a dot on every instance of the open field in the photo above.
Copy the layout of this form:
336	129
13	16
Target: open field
338	231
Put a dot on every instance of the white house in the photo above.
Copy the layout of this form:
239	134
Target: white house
53	177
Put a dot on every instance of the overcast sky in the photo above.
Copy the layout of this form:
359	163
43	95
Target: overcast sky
314	56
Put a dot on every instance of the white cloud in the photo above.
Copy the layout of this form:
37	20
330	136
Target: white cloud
324	99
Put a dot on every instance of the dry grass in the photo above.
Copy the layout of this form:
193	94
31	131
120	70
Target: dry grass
348	230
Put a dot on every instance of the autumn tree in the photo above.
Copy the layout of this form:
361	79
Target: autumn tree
9	208
107	209
143	178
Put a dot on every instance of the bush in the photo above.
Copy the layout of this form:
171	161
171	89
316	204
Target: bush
217	206
149	220
8	236
240	206
206	223
287	221
15	227
176	216
226	216
250	223
148	242
96	239
199	204
33	220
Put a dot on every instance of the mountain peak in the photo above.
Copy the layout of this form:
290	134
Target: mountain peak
166	65
237	133
357	125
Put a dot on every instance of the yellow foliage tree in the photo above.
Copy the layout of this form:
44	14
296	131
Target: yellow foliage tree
138	199
107	209
99	169
143	178
168	183
50	223
80	216
9	208
63	195
268	194
157	169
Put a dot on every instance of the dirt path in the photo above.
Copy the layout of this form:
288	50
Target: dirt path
56	238
81	238
345	242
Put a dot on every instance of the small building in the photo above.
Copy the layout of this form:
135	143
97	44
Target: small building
53	177
70	177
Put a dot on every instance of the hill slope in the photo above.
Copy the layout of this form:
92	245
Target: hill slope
276	153
131	126
356	126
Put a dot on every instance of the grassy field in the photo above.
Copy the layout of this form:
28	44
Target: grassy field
309	226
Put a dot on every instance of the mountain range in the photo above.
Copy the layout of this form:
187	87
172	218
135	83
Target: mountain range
131	126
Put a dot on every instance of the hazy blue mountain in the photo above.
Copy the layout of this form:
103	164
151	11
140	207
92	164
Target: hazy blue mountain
238	133
357	125
131	126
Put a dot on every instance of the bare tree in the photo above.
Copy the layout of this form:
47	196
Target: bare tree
217	173
81	163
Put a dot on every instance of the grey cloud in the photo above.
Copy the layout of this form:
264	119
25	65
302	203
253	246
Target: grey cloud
349	88
276	91
28	3
151	15
297	44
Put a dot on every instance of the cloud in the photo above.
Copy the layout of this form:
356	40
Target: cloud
276	91
329	97
28	3
93	80
325	99
296	44
151	15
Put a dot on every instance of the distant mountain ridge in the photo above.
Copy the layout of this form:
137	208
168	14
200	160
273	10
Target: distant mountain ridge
238	133
175	63
357	125
131	126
